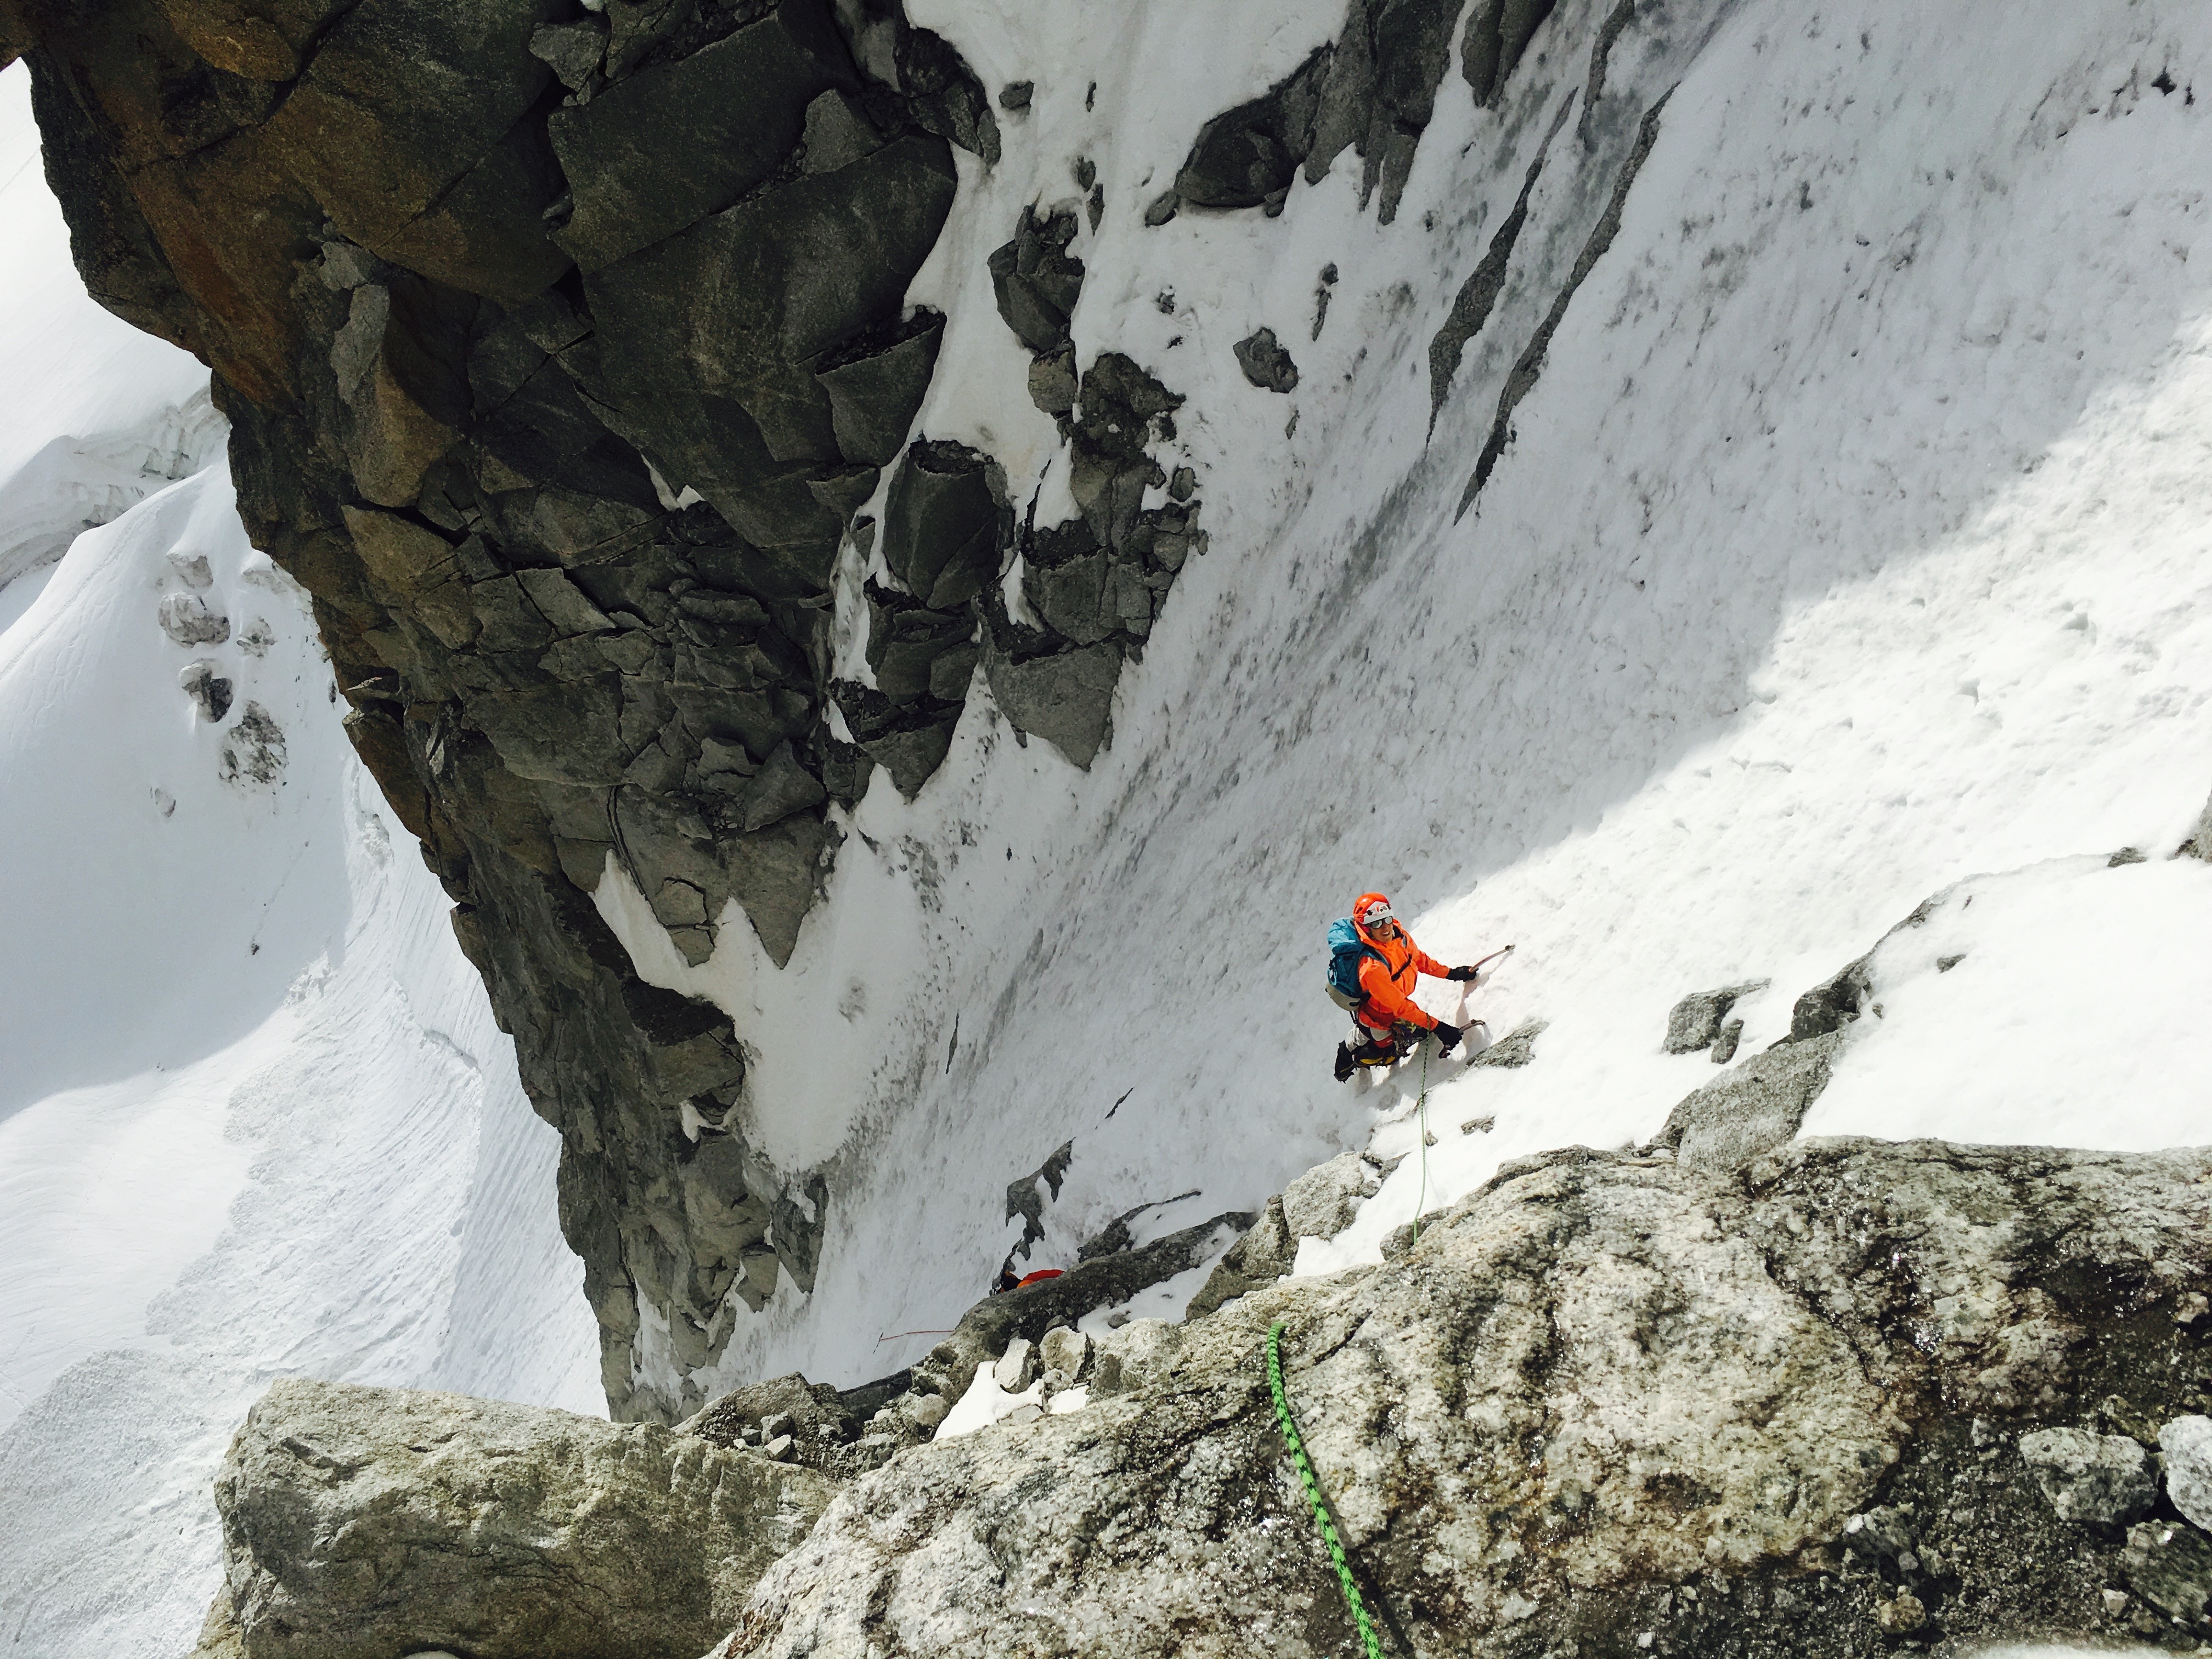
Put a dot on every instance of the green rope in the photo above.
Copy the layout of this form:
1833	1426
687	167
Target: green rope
1312	1485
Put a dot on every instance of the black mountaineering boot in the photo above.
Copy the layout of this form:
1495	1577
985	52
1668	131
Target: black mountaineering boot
1346	1066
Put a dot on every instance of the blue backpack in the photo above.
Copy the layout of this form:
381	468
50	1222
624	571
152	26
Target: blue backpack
1346	948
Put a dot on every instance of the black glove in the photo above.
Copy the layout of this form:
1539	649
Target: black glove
1463	973
1447	1037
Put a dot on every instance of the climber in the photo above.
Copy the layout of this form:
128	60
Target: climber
1388	963
1006	1281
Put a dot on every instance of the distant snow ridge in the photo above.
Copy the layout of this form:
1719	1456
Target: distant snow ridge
73	485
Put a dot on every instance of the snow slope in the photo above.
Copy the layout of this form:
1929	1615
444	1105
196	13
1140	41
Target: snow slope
1852	544
255	1119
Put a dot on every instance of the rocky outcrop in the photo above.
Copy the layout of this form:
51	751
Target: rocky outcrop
989	1327
1609	1400
561	349
1695	1022
371	1521
1756	1106
1372	91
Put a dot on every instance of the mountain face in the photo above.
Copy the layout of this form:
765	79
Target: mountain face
560	352
900	566
567	355
719	438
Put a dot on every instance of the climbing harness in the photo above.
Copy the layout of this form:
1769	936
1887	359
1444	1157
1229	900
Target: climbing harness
1312	1485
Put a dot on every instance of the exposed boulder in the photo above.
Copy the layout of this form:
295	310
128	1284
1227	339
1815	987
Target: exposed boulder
1695	1022
908	740
1322	1202
2105	1478
1606	1397
2170	1567
1754	1108
210	692
916	651
1066	699
1263	1255
374	1522
944	523
875	384
2186	1442
1266	364
1372	90
1037	281
187	620
1515	1048
1247	156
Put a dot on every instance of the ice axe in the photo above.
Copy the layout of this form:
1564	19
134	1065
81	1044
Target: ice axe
1491	957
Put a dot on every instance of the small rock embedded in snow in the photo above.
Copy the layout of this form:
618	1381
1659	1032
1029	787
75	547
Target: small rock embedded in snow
192	569
2085	1476
2187	1443
185	619
1694	1021
1515	1048
1479	1126
1265	362
254	751
1016	94
208	689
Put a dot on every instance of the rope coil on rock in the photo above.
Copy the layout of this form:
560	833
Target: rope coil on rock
1312	1485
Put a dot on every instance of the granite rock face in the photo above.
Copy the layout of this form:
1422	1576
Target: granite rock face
1607	1398
561	348
372	1522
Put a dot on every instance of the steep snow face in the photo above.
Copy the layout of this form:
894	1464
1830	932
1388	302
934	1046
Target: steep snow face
255	1119
1850	544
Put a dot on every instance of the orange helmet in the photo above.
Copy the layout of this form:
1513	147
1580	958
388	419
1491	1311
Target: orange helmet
1371	908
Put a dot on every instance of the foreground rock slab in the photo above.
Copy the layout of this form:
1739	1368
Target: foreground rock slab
1610	1404
365	1523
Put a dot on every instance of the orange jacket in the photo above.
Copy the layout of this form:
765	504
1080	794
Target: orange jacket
1389	983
